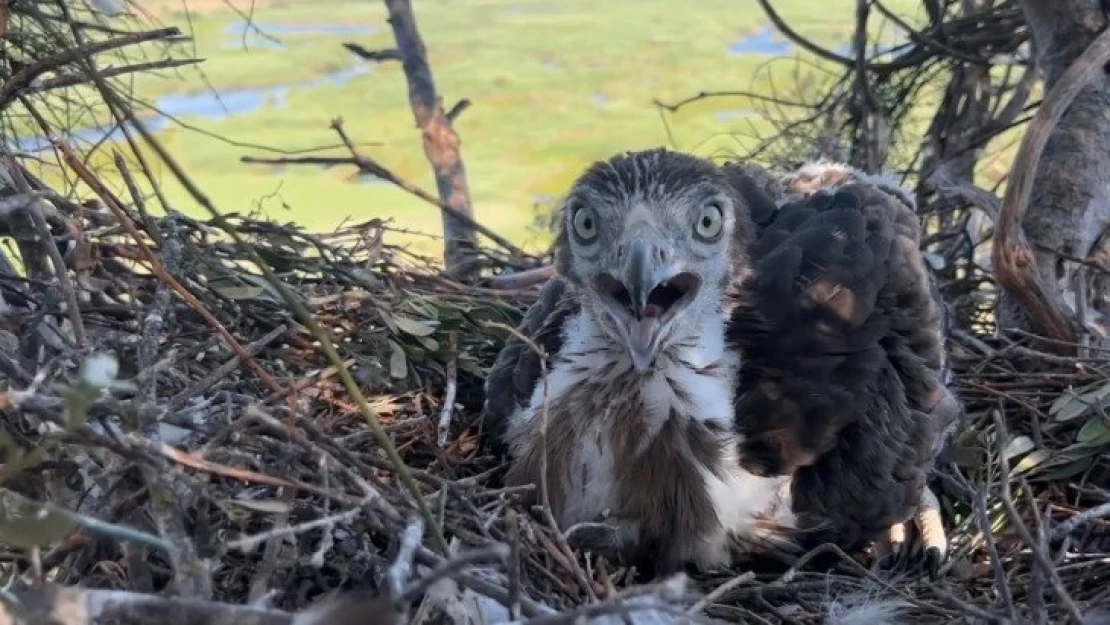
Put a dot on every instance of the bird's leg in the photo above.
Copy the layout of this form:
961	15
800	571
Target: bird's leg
932	538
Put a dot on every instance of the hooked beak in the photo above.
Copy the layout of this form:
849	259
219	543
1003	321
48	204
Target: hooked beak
645	300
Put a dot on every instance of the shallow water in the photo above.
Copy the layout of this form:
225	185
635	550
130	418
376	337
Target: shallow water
766	41
207	105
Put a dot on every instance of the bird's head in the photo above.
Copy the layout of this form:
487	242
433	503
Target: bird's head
652	240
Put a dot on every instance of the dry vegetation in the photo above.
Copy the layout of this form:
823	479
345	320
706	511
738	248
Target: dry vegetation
231	418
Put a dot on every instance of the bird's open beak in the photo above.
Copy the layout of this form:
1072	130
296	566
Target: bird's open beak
646	299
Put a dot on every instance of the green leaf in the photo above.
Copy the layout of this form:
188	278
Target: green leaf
1070	406
27	524
1094	432
1032	461
415	327
428	343
398	363
1066	471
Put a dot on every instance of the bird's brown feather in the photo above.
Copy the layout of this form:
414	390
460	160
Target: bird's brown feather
843	369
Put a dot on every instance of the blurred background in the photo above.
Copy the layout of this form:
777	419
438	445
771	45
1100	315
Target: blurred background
554	85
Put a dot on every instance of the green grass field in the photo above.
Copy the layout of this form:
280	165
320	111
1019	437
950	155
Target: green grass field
554	84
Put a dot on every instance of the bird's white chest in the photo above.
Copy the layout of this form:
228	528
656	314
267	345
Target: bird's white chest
606	423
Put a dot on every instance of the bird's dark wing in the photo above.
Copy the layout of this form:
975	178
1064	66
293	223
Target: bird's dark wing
841	348
517	369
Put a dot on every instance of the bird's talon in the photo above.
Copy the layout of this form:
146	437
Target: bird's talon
933	561
602	539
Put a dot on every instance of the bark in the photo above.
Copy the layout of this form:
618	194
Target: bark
441	142
1068	207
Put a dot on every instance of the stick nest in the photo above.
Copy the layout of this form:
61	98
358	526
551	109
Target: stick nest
264	477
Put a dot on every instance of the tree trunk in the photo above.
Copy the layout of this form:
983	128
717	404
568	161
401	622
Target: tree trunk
1069	207
441	142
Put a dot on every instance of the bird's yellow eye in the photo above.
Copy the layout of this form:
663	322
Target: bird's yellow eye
710	222
585	224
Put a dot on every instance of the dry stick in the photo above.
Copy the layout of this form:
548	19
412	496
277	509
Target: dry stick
47	241
368	165
495	552
222	371
307	319
62	605
1002	585
1019	524
71	80
137	198
399	572
1013	259
858	569
513	534
444	426
246	475
156	266
371	166
119	111
1075	522
560	538
23	78
522	279
721	591
529	607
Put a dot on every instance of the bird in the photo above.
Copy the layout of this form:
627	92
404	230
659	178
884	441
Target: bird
843	335
727	363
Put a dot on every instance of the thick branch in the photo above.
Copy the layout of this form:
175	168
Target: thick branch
441	142
1012	255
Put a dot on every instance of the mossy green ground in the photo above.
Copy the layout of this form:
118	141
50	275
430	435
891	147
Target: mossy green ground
554	85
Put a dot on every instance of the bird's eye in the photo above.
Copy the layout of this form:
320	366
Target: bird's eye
585	224
710	222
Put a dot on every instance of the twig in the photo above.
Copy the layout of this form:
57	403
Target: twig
721	591
24	77
496	552
251	350
521	279
448	407
513	532
247	543
1073	523
401	570
1019	524
369	166
390	54
80	606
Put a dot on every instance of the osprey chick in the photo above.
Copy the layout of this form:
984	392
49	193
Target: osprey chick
636	417
733	362
842	331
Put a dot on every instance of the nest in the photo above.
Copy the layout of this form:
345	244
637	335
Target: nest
193	437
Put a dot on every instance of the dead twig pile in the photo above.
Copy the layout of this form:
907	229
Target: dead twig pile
197	440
